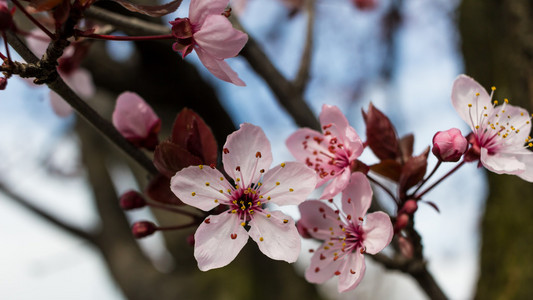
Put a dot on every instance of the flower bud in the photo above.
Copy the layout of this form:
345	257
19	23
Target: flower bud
132	200
401	221
409	207
3	82
406	247
365	4
136	120
449	145
143	228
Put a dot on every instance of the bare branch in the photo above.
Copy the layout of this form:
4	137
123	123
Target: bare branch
46	216
305	64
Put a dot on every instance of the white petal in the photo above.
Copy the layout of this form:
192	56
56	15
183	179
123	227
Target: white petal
352	272
502	163
464	92
287	185
357	196
378	232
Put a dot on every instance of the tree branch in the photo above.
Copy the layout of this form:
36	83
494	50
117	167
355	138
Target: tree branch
305	64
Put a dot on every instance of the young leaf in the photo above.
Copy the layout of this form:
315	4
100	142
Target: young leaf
381	134
413	171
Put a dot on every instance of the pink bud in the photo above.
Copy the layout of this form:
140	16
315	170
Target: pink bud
406	247
409	207
132	200
449	145
3	82
401	221
6	18
143	228
136	120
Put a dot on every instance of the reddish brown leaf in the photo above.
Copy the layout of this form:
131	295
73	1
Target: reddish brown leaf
192	133
406	146
413	171
388	168
381	134
151	10
159	190
169	158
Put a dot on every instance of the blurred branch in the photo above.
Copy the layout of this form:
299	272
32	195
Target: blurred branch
58	85
46	216
286	92
305	64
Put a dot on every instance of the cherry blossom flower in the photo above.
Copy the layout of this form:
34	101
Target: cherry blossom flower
246	158
211	35
78	79
329	153
500	133
449	145
136	120
346	234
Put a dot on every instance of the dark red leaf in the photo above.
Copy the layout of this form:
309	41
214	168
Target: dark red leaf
159	190
169	158
406	146
388	168
151	10
192	133
381	134
413	171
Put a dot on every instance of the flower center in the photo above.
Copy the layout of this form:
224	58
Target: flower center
182	30
246	202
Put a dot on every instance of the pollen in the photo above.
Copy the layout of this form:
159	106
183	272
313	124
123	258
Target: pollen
477	94
291	190
268	198
243	223
221	191
258	154
261	239
221	178
283	165
233	236
238	179
506	100
193	194
207	184
216	200
226	150
262	171
277	183
493	88
469	105
269	215
496	103
201	167
285	221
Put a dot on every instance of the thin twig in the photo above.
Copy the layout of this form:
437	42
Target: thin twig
305	64
43	214
87	112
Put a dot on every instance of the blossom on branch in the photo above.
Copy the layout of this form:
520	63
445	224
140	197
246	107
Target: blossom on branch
346	234
246	158
449	145
136	120
330	153
209	32
500	133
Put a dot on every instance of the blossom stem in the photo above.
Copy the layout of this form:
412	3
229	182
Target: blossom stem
125	38
176	210
419	196
178	226
33	20
383	187
428	177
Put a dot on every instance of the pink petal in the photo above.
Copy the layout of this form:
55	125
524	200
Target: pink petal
331	114
133	117
218	37
352	272
276	238
289	183
378	232
200	186
218	67
59	106
319	219
337	184
464	92
218	240
200	9
323	266
527	158
502	163
519	118
357	196
295	143
247	150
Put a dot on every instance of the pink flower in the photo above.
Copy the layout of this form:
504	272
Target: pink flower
136	120
213	37
449	145
329	153
498	132
78	79
246	158
346	234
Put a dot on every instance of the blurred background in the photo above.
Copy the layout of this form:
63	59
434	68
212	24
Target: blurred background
59	179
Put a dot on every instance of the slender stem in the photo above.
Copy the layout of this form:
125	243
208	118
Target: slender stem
178	226
126	38
417	197
305	64
176	210
383	187
428	177
9	61
33	20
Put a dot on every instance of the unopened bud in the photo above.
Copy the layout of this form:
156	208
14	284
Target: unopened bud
449	145
132	200
302	230
409	207
401	222
406	247
3	82
143	228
